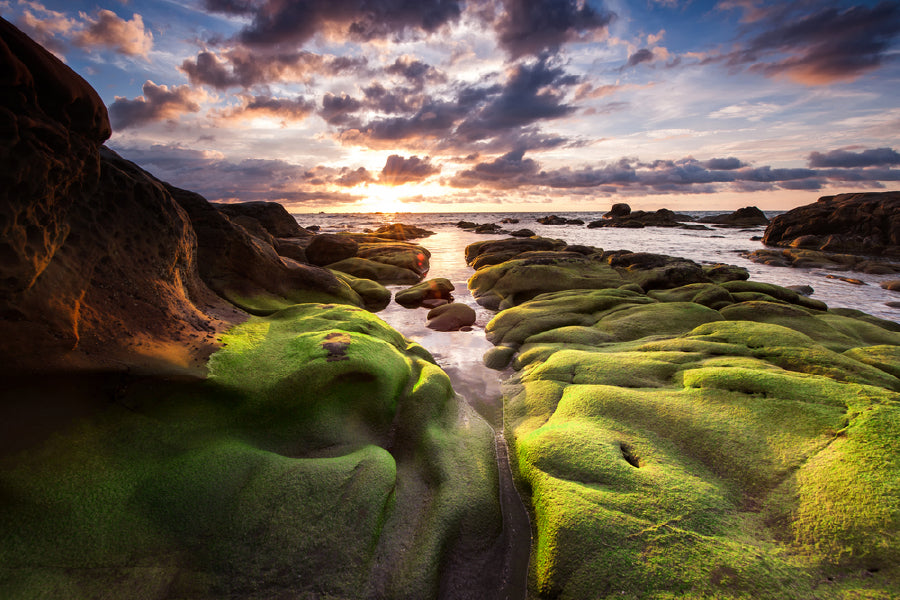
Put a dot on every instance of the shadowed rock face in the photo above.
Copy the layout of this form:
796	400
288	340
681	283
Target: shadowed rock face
866	223
749	216
98	262
272	216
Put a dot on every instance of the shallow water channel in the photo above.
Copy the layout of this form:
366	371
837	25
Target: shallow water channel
459	354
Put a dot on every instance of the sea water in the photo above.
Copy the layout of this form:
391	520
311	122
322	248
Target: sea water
716	245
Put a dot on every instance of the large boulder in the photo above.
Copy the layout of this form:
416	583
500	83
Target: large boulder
662	217
433	289
327	248
862	223
99	264
247	271
749	216
273	217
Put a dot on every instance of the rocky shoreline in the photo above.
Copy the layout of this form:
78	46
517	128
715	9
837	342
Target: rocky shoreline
200	402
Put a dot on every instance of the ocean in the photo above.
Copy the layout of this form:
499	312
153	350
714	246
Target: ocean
718	245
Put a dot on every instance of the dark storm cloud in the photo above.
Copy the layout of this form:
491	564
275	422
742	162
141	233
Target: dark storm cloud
823	44
872	157
280	23
159	102
239	67
537	26
508	171
398	170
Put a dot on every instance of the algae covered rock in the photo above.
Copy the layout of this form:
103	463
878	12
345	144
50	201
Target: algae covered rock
713	439
432	289
326	456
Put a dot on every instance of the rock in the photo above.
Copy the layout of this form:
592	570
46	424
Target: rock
499	357
432	289
466	224
522	233
450	317
374	296
892	285
99	263
487	228
556	220
617	211
434	303
803	290
375	270
294	248
637	219
272	216
304	467
248	272
327	248
508	248
861	223
748	216
254	228
313	228
399	231
509	220
621	406
852	280
720	273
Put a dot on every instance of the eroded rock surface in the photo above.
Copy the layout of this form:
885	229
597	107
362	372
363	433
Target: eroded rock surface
711	440
864	223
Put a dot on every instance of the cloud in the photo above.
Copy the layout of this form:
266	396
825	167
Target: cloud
241	67
398	170
844	158
108	29
286	109
533	27
217	178
158	102
723	164
338	110
823	46
291	24
532	93
642	55
630	176
52	29
415	71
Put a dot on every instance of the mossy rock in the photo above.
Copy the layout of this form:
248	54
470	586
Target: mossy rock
427	290
707	294
411	257
374	296
325	456
376	271
707	462
516	281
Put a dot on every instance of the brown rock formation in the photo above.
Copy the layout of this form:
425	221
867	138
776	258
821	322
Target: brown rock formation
98	263
749	216
863	223
273	217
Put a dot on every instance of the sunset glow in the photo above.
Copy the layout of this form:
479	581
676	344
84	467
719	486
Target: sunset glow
492	105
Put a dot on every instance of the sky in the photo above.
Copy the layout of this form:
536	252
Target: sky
492	105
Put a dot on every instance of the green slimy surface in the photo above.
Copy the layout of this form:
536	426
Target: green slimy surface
325	456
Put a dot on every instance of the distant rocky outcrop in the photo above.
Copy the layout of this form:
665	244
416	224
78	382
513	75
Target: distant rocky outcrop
557	220
749	216
862	223
623	216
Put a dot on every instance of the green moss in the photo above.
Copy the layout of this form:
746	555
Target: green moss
663	319
376	271
374	296
325	456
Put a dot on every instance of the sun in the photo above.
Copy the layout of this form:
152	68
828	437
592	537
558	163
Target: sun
383	198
